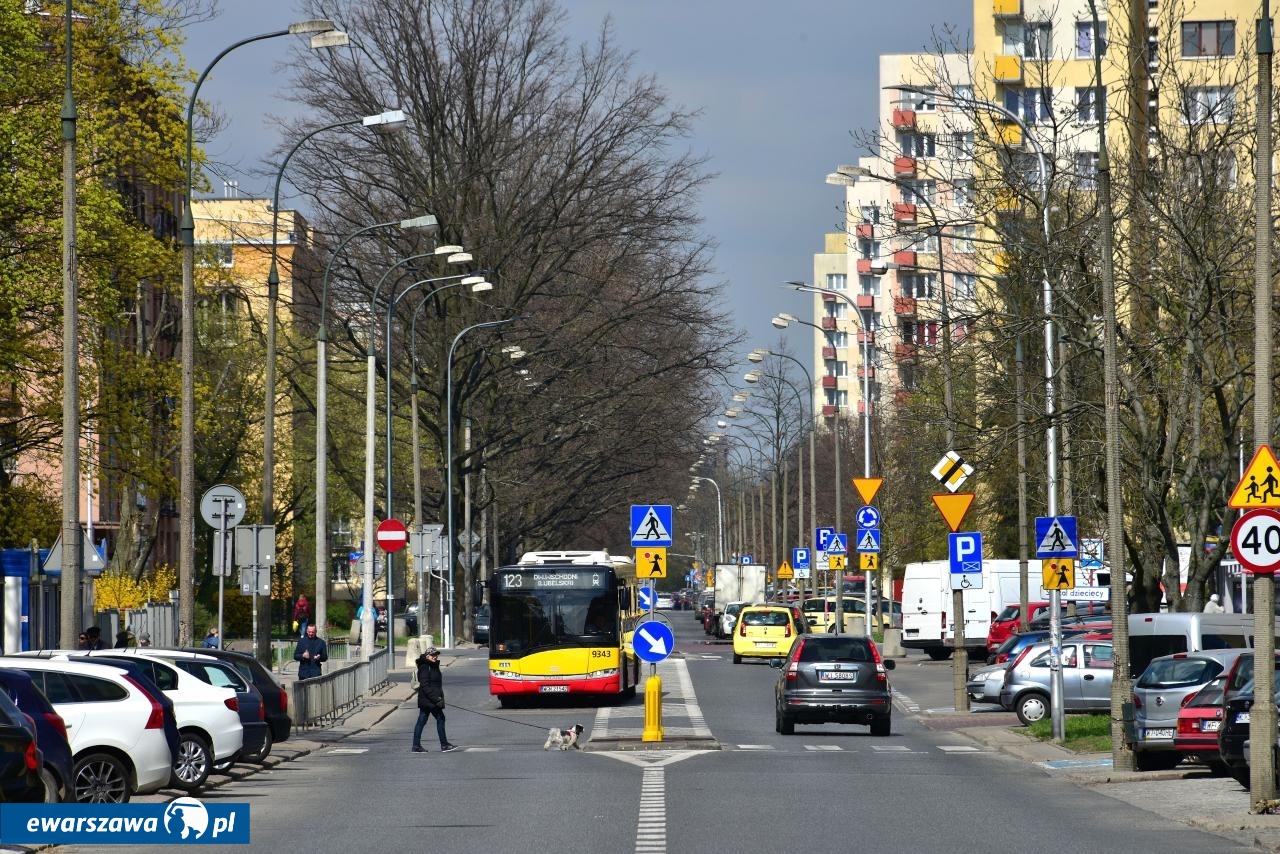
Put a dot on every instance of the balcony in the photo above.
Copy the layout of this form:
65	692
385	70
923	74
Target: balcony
1008	69
862	407
1007	8
1007	201
904	306
863	372
902	395
904	119
829	324
866	301
829	382
905	351
904	167
904	212
1009	134
870	267
868	338
1002	262
866	231
905	258
828	353
828	410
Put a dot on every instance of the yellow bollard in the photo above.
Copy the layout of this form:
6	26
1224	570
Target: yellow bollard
652	708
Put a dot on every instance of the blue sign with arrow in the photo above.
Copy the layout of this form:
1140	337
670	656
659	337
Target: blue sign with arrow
868	517
646	597
653	641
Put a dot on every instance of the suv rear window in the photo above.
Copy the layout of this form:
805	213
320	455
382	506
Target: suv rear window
835	649
1178	673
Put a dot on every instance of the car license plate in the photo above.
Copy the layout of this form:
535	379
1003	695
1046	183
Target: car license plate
838	675
1210	726
553	689
765	644
1242	717
1159	733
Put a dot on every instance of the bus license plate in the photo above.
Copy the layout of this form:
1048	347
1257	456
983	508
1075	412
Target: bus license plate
553	689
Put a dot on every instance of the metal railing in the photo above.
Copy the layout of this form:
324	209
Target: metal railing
327	698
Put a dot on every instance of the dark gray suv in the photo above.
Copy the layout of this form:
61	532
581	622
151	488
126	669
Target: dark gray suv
833	679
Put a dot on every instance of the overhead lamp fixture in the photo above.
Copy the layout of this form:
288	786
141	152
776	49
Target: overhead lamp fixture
335	38
458	258
722	424
481	286
473	280
732	413
751	377
426	222
388	122
447	249
318	25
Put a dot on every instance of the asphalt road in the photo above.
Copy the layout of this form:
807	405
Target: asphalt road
826	788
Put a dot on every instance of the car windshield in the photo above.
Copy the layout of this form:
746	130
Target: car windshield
1178	672
835	649
1009	613
733	608
765	618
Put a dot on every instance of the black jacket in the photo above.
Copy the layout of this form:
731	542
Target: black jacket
430	684
309	668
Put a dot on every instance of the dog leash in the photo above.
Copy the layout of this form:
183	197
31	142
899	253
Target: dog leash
540	727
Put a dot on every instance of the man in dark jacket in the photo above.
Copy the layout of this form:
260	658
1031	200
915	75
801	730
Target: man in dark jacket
430	699
311	652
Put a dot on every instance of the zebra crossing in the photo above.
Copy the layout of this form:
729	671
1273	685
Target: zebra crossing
877	749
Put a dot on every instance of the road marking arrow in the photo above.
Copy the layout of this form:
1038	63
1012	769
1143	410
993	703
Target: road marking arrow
658	645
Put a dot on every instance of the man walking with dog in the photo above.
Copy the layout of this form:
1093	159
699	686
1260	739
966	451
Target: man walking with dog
430	699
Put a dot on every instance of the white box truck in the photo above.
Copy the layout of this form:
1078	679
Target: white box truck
739	583
928	621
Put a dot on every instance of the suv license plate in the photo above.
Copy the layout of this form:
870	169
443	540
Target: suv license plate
838	675
1242	717
553	689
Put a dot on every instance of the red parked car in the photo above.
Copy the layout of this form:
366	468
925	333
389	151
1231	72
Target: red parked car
1006	623
1199	721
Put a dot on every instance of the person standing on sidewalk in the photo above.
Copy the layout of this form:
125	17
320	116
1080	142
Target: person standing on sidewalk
310	653
430	699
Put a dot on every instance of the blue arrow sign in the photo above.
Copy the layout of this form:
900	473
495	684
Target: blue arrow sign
800	559
653	641
1056	536
868	517
651	525
646	597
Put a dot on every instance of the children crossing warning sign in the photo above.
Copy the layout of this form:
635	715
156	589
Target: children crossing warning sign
1260	486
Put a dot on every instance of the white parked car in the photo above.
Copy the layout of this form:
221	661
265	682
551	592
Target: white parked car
729	618
209	729
665	601
115	729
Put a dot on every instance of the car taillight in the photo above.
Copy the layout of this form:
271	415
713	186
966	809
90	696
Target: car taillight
1187	699
262	711
1137	701
31	758
882	675
55	720
944	621
155	720
284	703
232	703
793	671
875	652
742	627
1186	726
787	631
1021	655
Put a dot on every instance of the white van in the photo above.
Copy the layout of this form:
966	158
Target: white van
1154	635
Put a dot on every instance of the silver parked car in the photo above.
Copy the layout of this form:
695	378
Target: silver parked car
985	683
1086	679
1158	695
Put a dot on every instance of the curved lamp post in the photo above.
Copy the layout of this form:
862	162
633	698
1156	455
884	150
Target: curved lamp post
447	629
325	34
426	221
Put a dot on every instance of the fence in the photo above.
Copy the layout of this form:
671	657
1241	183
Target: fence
160	621
321	701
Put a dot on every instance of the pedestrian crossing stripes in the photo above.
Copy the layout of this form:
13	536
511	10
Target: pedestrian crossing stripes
884	750
347	751
651	828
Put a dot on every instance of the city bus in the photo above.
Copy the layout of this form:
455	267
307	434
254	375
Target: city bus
558	624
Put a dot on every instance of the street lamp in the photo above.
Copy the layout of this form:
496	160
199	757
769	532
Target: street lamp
719	514
325	35
425	222
1051	433
447	630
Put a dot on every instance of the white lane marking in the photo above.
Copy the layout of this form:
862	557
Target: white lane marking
651	822
347	751
823	747
600	729
959	748
755	747
692	710
893	748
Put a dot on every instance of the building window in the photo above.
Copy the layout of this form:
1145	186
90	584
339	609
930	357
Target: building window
962	238
836	368
838	398
962	92
868	248
1091	103
836	308
838	339
962	192
1087	168
1030	105
837	282
1212	169
869	213
917	285
1211	104
869	285
1035	40
219	254
964	285
919	145
962	145
921	102
1088	41
926	241
1208	38
919	192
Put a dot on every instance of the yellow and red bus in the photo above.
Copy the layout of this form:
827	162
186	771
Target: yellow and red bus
558	624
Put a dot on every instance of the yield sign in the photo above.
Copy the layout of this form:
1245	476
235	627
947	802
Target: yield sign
868	487
392	535
953	506
1260	486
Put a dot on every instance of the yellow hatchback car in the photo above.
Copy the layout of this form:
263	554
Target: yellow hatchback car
766	631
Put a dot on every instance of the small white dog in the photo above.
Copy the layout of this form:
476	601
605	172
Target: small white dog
563	738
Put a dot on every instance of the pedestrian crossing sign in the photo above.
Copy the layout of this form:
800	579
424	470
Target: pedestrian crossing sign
651	525
1056	536
1260	486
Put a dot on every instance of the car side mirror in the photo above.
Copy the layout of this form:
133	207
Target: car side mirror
889	664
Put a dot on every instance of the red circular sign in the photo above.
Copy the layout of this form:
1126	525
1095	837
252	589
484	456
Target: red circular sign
1255	541
392	535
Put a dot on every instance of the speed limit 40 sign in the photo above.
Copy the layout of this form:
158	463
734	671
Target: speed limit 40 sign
1255	541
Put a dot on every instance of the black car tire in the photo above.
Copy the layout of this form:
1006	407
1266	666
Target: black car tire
1155	760
263	752
881	726
737	659
1241	774
101	778
786	725
938	653
50	781
193	763
224	766
1031	707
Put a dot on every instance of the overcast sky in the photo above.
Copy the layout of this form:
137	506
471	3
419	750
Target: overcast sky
781	86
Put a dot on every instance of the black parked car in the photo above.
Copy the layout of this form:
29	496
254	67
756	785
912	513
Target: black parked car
275	699
51	733
20	761
833	679
481	635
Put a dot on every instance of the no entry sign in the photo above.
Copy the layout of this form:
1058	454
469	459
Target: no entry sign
392	535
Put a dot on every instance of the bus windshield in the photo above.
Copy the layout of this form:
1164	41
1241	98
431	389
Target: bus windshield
532	611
